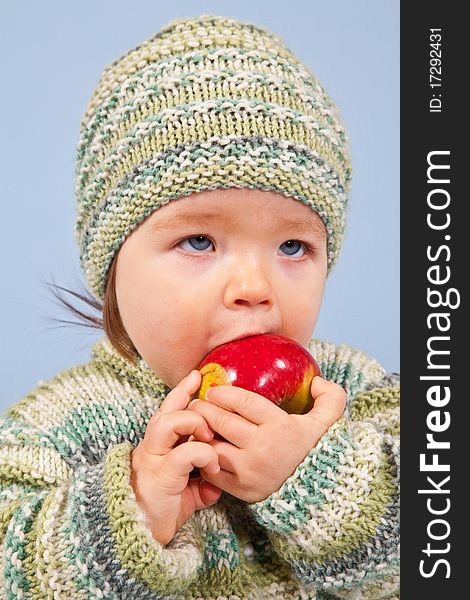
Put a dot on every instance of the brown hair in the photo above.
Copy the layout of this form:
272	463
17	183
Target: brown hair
109	320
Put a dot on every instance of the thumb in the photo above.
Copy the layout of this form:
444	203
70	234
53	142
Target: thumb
329	401
205	494
210	494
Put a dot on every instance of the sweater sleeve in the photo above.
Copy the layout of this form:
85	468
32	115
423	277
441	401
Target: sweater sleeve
79	532
335	521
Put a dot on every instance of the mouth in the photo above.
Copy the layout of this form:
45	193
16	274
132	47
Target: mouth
246	334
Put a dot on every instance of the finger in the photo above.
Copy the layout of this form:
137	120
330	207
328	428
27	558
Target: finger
182	460
229	455
163	431
224	480
251	406
330	401
229	425
180	396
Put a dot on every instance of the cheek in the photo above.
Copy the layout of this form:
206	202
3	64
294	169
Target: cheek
301	310
164	318
306	312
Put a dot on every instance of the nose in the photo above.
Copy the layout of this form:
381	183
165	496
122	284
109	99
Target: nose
248	284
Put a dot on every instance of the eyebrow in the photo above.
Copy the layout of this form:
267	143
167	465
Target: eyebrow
202	218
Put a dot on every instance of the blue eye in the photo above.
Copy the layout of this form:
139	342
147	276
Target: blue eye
201	243
292	247
197	242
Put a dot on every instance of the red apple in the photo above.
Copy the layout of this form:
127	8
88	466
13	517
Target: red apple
274	366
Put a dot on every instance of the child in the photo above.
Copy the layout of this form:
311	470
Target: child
212	177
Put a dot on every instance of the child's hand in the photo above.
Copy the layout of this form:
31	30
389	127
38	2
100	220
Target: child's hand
263	444
163	460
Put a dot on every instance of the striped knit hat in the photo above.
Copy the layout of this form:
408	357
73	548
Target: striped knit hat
208	102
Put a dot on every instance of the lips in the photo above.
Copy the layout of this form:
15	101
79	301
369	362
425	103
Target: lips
246	334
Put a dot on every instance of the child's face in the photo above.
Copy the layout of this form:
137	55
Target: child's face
198	281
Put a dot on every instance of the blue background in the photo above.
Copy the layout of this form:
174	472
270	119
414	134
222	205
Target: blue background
52	56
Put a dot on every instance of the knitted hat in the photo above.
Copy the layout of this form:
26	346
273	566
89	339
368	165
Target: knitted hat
208	102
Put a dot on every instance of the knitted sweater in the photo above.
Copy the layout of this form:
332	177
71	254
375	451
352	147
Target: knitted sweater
70	526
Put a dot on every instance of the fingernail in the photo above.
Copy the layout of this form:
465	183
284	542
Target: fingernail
206	395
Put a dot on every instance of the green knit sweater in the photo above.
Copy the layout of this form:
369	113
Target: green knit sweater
70	526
